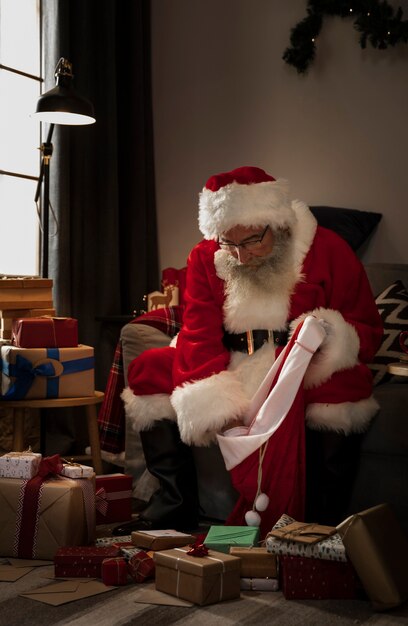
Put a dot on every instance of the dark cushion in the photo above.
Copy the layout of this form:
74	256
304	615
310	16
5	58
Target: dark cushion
392	305
351	224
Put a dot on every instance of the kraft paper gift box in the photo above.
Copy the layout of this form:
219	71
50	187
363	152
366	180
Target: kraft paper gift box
25	293
45	332
66	516
161	539
202	580
331	549
378	548
256	562
34	373
317	579
222	538
82	561
20	464
113	498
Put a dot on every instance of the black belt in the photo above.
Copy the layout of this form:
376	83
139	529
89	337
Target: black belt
252	340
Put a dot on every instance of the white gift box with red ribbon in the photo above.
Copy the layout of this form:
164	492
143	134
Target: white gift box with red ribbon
113	498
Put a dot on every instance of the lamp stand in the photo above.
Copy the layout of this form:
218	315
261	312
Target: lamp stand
46	150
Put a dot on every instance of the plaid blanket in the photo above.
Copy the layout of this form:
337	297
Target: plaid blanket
111	416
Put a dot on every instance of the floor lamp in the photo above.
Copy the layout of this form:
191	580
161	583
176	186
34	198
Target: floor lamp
60	105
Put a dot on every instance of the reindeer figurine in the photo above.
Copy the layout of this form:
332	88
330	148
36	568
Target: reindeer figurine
157	300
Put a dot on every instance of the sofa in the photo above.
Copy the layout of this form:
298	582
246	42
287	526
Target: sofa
383	469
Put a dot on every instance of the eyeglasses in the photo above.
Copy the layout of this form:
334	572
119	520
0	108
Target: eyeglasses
251	244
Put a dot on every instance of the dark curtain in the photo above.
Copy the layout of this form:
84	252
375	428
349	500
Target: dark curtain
103	257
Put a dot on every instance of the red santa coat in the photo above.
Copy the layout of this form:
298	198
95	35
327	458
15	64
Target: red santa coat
208	386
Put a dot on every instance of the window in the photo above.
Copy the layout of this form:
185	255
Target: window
20	85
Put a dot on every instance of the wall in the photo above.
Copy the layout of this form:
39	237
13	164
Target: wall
223	97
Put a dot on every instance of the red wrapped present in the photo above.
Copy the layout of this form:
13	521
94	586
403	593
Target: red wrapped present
114	571
45	332
317	579
141	566
82	561
113	498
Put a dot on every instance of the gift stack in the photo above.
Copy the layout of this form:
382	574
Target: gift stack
202	573
23	297
312	561
44	504
40	354
259	569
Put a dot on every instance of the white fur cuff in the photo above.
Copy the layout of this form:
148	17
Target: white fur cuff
339	350
204	407
345	417
142	411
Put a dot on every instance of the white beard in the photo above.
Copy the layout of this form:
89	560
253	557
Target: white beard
258	296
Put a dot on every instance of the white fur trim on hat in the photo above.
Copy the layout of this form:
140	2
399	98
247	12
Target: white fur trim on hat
339	350
204	407
345	417
143	411
252	204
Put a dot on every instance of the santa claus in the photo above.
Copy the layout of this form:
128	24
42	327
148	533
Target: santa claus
264	264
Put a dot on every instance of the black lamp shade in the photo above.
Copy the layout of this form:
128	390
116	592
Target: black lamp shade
62	104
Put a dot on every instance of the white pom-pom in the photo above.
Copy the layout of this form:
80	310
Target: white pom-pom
252	518
262	502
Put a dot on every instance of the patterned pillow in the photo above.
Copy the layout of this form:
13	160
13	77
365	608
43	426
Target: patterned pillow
393	307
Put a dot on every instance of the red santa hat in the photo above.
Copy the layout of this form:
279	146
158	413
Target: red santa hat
246	196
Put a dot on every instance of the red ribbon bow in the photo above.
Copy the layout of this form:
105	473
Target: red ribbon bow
198	549
50	465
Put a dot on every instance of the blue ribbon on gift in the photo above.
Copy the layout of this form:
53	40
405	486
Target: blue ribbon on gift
25	373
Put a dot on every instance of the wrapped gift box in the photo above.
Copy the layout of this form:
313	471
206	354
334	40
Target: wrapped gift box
109	541
317	579
114	571
222	538
25	293
10	314
45	332
82	561
141	566
259	584
76	470
19	464
113	498
66	516
331	549
378	548
127	551
256	562
161	539
202	580
29	373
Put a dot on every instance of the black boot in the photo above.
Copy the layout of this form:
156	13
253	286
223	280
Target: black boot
175	503
331	467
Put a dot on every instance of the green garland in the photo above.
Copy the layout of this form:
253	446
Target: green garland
376	21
